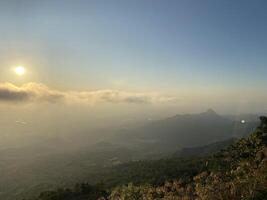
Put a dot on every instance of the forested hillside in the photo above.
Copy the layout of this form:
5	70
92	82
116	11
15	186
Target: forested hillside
236	173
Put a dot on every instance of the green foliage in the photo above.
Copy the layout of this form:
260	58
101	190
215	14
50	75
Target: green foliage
154	172
79	192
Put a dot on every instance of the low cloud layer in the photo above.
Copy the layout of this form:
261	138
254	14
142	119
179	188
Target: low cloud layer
36	92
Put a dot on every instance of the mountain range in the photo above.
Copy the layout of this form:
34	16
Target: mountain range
188	130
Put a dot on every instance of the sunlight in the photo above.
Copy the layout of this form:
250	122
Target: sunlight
20	70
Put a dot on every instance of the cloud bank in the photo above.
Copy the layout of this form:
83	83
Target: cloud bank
36	92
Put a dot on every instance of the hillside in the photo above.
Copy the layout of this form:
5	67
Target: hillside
236	173
239	172
205	150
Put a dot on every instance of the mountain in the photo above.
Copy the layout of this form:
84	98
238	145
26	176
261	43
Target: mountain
185	131
238	172
55	162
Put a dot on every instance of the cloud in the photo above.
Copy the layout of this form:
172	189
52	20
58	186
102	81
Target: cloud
36	92
10	93
28	93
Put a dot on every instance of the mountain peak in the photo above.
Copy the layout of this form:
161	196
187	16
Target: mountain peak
210	112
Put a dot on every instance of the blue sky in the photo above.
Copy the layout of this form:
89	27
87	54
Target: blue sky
138	45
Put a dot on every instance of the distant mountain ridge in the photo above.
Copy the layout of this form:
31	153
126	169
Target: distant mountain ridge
187	130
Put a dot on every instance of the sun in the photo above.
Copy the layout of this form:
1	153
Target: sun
20	70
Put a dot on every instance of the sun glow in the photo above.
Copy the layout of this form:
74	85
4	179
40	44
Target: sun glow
19	70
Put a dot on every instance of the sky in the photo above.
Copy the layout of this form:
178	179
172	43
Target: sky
179	56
